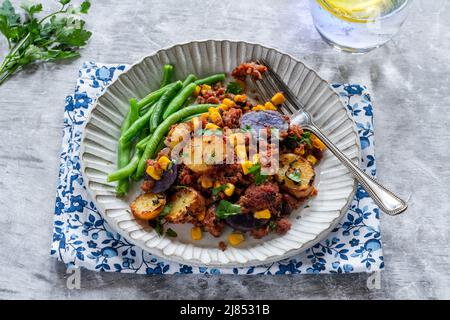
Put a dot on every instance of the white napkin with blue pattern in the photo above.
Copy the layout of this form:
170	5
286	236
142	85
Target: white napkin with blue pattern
82	238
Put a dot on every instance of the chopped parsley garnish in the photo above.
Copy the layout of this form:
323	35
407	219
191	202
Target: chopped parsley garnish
159	227
226	209
306	138
165	211
272	225
171	233
216	190
234	88
295	176
256	171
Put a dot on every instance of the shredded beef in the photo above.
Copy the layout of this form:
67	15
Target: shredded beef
283	225
211	223
231	118
290	203
249	69
259	233
265	196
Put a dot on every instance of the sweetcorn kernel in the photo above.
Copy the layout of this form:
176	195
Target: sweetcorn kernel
196	233
229	189
269	106
214	115
228	102
211	126
246	165
311	159
317	143
205	88
278	98
153	172
235	238
240	98
206	182
223	107
197	91
258	107
201	216
164	162
262	214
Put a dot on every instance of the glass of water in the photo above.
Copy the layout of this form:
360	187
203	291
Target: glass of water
358	26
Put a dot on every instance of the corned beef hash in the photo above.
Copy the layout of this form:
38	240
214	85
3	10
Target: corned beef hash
232	181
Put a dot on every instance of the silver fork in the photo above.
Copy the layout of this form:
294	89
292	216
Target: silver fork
271	83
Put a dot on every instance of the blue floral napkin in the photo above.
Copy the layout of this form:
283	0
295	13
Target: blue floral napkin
82	238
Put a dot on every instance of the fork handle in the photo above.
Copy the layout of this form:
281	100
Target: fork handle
384	198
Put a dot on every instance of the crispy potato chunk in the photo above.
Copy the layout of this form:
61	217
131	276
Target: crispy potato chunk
178	134
296	175
185	204
148	206
204	152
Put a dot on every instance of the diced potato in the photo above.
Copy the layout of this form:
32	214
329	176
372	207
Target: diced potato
241	151
292	168
185	204
177	134
148	206
205	151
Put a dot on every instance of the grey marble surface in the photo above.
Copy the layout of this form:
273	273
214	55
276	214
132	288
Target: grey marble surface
409	79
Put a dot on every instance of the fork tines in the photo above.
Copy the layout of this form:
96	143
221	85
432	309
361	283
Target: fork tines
272	83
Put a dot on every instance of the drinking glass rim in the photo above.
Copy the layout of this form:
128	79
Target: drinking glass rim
328	7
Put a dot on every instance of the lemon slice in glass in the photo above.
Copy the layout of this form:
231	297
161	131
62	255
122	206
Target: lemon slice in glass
361	11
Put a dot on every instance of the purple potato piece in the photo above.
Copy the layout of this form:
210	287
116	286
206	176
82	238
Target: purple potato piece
257	120
166	181
244	222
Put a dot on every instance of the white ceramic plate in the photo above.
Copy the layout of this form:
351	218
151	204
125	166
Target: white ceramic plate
309	225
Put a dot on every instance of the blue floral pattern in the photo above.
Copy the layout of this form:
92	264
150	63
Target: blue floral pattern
81	237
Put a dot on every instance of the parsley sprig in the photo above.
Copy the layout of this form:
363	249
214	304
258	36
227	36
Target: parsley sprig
256	171
31	39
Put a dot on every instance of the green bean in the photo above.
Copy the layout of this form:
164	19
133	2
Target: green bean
125	172
156	117
134	129
162	130
160	146
152	97
189	79
141	144
191	117
124	150
211	79
167	77
179	99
